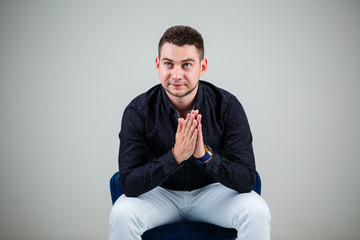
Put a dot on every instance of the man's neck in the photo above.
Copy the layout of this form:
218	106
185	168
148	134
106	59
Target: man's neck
183	105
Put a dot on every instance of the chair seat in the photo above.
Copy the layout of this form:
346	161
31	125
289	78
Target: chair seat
190	231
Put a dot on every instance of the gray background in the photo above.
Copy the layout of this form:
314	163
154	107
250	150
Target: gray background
69	68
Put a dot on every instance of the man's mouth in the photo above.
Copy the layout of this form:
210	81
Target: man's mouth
177	86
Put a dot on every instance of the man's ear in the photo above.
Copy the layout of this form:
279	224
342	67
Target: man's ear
157	63
203	66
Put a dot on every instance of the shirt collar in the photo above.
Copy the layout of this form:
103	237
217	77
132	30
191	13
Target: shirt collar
199	96
166	100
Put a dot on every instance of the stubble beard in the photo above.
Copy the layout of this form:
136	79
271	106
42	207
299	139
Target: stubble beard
182	95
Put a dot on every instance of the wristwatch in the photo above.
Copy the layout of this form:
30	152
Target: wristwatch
208	155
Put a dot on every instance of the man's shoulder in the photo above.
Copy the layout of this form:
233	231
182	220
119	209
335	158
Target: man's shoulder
215	92
221	101
146	98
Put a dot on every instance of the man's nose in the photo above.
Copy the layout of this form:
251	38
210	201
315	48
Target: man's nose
177	73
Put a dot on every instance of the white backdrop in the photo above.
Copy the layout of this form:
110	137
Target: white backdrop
69	68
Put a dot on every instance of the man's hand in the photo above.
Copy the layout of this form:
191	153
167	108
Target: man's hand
199	148
185	138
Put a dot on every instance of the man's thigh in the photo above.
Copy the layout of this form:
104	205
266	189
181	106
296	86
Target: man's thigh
149	210
222	206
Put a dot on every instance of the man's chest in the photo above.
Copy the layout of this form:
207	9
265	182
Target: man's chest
160	134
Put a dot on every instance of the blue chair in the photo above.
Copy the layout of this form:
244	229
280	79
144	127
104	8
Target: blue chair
184	230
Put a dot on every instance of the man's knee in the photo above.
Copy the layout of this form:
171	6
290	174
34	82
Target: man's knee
124	219
120	214
259	209
252	220
254	210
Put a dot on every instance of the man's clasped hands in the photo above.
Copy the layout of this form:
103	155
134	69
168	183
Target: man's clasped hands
189	137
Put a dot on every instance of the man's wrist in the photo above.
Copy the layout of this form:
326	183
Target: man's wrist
173	152
203	152
207	156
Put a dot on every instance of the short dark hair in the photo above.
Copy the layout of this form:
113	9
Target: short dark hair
183	35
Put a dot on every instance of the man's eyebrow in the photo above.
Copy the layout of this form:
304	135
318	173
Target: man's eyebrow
188	60
185	60
167	59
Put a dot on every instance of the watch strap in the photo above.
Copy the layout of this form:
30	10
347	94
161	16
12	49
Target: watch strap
208	155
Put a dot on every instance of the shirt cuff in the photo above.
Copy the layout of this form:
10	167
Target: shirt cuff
170	164
213	164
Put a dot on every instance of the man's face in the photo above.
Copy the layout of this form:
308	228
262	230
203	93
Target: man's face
180	69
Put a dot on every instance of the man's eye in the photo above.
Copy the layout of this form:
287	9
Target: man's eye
168	64
186	65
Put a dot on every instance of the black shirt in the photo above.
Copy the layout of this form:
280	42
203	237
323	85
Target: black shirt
147	137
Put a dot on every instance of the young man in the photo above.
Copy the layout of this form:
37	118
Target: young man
186	151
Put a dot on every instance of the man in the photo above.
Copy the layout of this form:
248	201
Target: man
186	151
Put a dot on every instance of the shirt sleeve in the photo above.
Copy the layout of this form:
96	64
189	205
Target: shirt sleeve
140	172
234	165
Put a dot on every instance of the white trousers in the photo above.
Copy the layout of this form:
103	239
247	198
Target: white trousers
248	213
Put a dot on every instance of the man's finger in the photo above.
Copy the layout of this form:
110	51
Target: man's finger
189	123
180	124
185	123
194	137
199	117
192	129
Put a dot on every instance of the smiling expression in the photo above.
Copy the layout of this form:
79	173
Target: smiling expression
179	69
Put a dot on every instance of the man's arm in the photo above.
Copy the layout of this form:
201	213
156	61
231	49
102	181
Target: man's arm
234	164
139	173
